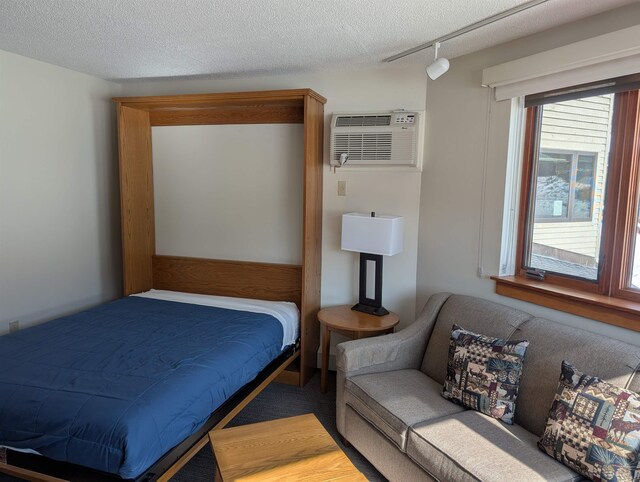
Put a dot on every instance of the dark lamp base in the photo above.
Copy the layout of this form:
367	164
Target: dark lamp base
372	310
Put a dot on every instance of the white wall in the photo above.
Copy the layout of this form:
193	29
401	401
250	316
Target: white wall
59	214
462	199
229	191
383	88
59	210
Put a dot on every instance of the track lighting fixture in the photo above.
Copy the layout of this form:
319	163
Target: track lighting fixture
439	66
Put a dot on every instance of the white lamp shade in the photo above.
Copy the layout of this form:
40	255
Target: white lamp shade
374	235
437	68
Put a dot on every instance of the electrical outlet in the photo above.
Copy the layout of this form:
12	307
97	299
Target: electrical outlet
342	188
14	326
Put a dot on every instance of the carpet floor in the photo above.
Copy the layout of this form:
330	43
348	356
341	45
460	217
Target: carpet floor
276	401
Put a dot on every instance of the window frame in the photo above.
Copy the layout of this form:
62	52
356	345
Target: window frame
526	206
575	159
610	298
627	150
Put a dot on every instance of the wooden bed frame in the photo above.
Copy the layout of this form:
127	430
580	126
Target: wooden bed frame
144	270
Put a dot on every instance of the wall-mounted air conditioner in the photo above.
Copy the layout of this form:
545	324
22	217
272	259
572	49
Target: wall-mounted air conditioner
380	139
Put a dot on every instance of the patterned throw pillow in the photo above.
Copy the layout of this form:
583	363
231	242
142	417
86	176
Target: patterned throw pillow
594	427
483	373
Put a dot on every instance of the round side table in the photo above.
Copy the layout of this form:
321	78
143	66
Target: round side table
351	323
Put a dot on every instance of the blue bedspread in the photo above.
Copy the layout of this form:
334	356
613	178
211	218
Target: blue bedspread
115	387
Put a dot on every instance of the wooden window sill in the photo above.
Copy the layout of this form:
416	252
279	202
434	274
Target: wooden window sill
614	311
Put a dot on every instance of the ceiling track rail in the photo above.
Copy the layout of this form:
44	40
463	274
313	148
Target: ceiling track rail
468	28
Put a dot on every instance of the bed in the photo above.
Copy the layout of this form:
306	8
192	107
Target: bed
116	387
145	270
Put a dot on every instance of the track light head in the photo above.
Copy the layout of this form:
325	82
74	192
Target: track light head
439	66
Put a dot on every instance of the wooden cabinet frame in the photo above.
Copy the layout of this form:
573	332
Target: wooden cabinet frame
144	270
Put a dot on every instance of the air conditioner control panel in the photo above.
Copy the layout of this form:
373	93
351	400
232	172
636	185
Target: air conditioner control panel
404	118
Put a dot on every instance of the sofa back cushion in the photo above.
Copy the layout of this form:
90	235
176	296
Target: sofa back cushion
549	344
488	371
473	314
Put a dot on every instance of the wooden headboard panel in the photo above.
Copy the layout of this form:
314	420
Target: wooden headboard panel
242	279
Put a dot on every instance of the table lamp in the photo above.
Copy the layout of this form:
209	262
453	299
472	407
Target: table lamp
373	237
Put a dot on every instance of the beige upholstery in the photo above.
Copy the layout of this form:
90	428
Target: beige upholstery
393	401
388	402
473	314
381	452
634	383
549	344
397	351
471	446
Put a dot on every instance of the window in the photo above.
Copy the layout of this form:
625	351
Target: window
635	273
564	229
580	199
564	186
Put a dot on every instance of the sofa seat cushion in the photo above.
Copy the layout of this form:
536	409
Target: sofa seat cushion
471	446
393	401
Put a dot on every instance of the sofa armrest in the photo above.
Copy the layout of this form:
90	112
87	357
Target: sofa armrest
404	349
379	354
397	351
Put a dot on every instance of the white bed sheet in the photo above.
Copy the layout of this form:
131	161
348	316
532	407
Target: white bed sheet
285	312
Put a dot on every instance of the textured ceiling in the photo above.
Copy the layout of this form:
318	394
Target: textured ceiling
129	39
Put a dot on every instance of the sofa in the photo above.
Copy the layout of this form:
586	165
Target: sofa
390	405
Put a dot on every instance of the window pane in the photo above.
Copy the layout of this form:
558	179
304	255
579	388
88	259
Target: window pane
635	268
585	183
553	185
570	178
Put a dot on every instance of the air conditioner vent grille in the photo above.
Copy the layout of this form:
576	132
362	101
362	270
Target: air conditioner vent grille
363	147
363	120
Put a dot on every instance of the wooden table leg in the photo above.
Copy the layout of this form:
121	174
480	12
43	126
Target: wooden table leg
326	346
